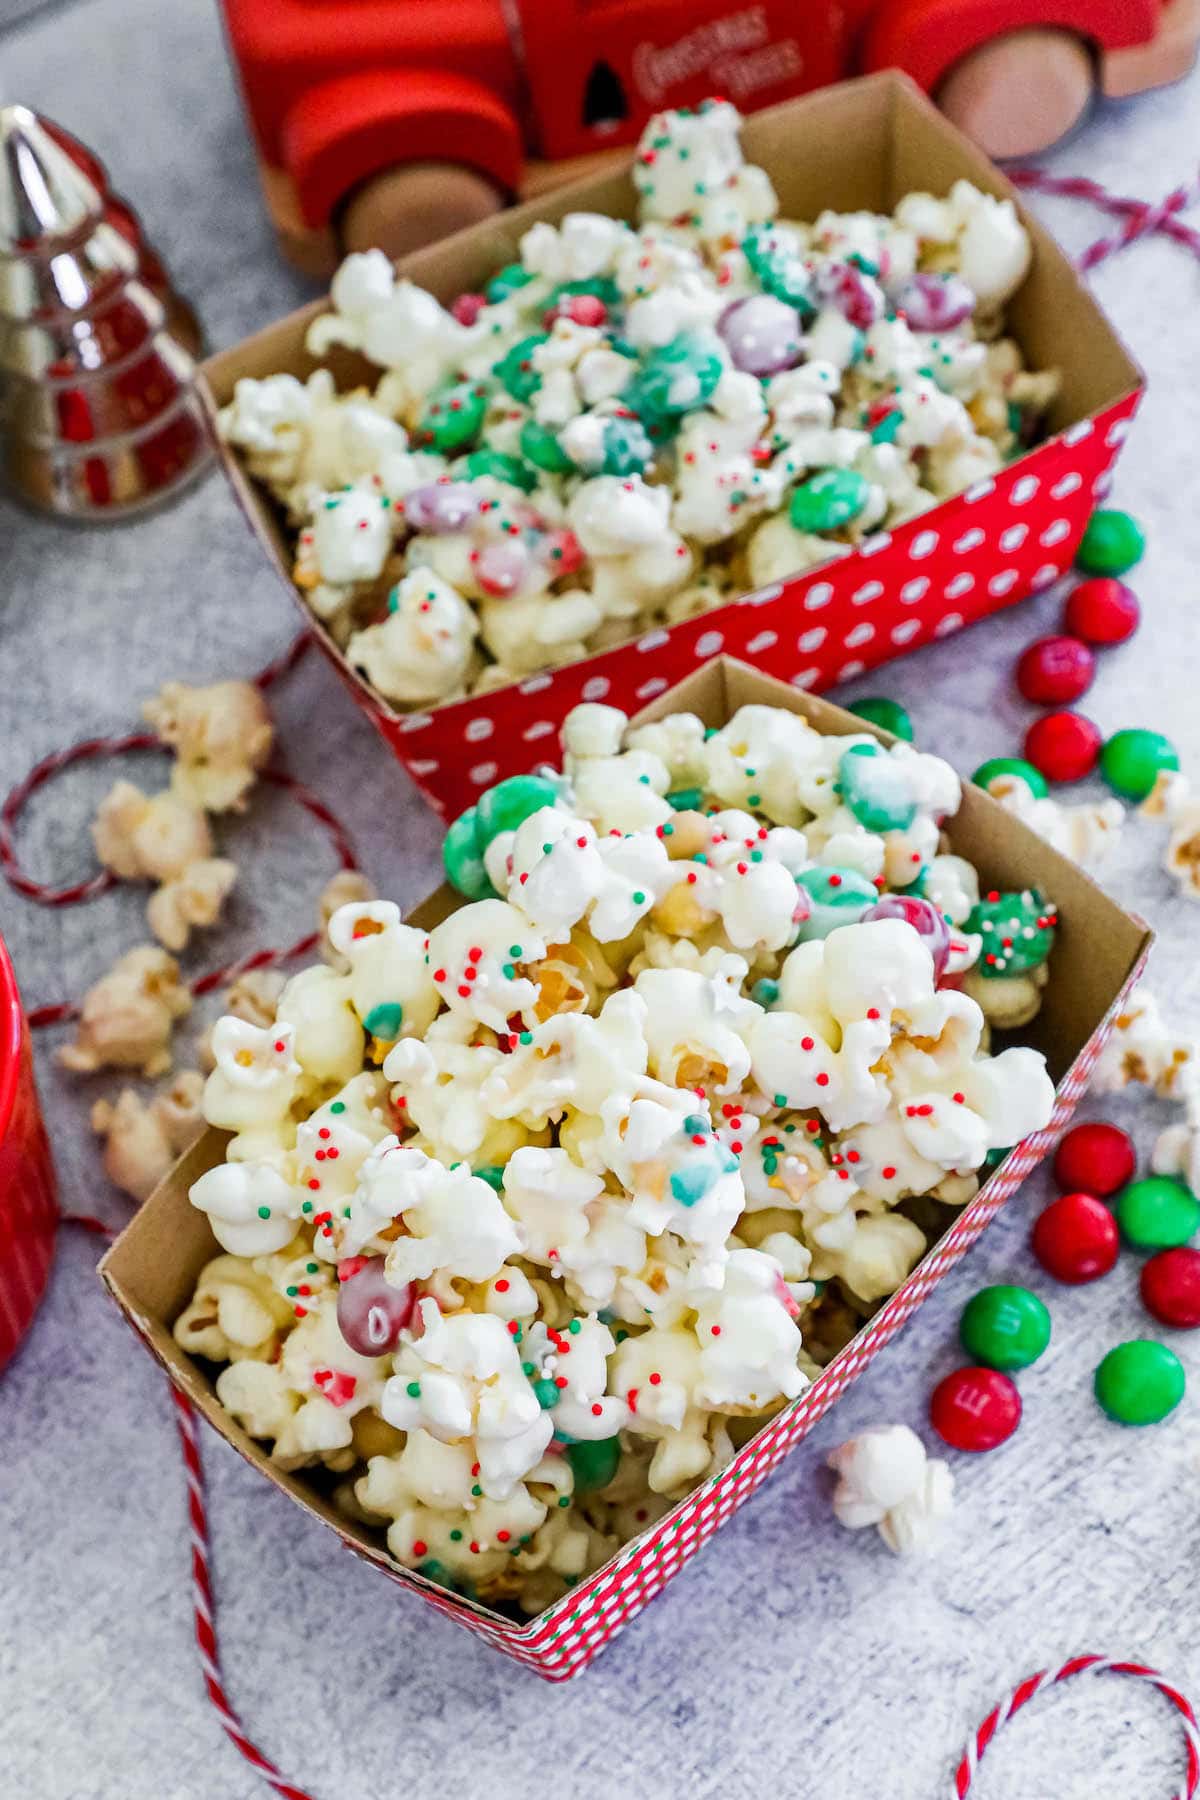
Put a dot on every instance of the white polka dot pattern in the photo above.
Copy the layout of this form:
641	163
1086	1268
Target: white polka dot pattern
561	1641
1007	537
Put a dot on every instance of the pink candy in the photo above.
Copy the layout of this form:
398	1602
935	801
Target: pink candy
925	919
501	568
371	1313
935	302
849	292
467	307
762	335
442	507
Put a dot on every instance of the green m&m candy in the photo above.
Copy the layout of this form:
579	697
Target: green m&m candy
505	282
675	379
1112	543
829	500
626	446
542	448
496	463
1140	1382
1017	931
1132	761
1005	1327
997	766
780	270
1157	1213
837	897
876	788
453	416
510	803
889	715
515	371
462	858
594	1464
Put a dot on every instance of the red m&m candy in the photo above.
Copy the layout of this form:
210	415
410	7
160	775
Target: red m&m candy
1063	745
1102	611
1076	1239
1095	1159
975	1409
1055	670
1170	1287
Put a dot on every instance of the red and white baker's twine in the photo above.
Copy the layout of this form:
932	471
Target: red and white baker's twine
1032	1686
1138	220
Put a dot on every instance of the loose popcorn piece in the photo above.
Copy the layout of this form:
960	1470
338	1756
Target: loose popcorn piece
221	736
127	1017
142	1140
571	1193
886	1479
636	422
164	838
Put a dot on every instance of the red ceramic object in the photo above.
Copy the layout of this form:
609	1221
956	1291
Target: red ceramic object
28	1202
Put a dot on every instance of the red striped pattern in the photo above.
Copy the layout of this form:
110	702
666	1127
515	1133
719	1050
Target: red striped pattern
1032	1686
1140	218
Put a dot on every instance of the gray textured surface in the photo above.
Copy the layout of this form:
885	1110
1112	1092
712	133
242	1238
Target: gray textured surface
789	1658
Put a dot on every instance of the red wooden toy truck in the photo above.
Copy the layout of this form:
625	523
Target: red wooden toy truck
394	122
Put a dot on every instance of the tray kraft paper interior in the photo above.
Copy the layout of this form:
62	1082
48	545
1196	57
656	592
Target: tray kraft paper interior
863	144
1099	953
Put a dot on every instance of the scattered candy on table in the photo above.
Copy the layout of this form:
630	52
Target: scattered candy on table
975	1409
1112	543
1076	1239
1170	1287
1095	1157
1054	671
1140	1382
1102	611
999	766
1132	761
889	715
1157	1213
1005	1327
1064	746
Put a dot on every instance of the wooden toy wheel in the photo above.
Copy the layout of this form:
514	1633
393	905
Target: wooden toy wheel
404	208
1020	93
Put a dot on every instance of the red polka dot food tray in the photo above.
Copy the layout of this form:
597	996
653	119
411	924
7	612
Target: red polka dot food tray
865	143
1098	955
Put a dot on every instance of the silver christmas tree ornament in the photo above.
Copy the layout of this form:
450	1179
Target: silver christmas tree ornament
99	413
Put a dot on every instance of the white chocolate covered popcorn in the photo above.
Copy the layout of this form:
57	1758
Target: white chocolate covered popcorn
570	1194
618	432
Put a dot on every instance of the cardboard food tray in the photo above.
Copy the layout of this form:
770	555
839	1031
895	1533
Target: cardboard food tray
863	144
1099	953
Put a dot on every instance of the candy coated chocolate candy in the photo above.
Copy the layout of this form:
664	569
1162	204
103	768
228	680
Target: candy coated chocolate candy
515	371
1170	1288
501	567
836	896
505	282
1132	761
876	788
987	772
889	715
594	1464
541	447
501	467
510	803
1112	543
1063	745
627	447
453	417
975	1409
935	302
1140	1382
829	500
1005	1327
1157	1213
925	919
1017	931
761	334
1076	1239
462	858
1095	1157
1055	670
675	379
441	507
1102	611
845	288
371	1313
780	270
